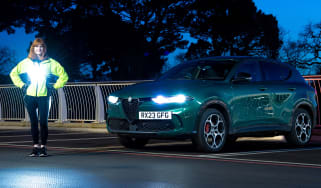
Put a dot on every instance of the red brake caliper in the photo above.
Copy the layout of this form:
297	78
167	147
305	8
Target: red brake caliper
207	127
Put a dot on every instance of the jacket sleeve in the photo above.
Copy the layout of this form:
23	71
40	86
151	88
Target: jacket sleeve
14	75
59	71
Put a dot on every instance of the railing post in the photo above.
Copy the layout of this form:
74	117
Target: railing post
0	113
62	106
100	113
27	119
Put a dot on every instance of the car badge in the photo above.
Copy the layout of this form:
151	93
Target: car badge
130	99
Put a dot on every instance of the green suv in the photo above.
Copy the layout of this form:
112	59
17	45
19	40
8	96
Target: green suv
214	101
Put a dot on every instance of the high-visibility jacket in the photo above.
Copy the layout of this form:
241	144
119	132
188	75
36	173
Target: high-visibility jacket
37	74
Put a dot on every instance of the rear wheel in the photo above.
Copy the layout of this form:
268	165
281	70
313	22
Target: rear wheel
301	128
212	131
132	142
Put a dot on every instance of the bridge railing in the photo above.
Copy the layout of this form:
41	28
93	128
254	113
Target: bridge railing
85	102
315	82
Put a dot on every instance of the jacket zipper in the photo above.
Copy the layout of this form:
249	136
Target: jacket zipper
37	89
38	66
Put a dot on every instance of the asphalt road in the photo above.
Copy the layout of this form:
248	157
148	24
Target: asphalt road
82	158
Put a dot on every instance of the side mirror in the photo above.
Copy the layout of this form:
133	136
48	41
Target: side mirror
242	77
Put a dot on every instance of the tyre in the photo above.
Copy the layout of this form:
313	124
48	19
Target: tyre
300	134
132	142
212	131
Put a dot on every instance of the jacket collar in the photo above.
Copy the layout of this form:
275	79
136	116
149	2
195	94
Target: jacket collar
40	61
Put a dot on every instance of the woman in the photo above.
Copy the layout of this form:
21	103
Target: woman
37	68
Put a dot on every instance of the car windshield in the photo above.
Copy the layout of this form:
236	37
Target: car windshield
203	70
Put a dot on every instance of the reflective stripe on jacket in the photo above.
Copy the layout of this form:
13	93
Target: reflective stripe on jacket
38	74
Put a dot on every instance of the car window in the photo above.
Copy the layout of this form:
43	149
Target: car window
252	68
205	70
214	71
185	74
275	72
180	72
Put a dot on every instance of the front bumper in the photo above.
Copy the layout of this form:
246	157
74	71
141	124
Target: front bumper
123	119
144	126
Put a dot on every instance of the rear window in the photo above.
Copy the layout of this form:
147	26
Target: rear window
275	72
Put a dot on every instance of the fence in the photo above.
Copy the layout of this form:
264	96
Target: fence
85	102
314	81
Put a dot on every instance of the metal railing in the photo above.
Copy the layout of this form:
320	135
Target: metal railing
85	102
315	82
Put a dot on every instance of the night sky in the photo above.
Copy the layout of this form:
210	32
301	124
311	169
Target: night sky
292	16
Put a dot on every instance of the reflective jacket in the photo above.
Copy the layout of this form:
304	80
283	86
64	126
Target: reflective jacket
37	75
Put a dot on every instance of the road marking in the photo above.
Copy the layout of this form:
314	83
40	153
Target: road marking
15	131
62	140
219	158
116	149
222	155
55	134
232	154
262	152
276	162
66	148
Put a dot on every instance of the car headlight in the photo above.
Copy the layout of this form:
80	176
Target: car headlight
112	99
173	99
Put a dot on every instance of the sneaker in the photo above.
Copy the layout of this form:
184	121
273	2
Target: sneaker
35	152
43	152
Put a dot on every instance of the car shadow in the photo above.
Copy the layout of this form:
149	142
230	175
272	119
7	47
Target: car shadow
241	145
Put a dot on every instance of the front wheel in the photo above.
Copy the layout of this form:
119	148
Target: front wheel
132	142
301	128
212	131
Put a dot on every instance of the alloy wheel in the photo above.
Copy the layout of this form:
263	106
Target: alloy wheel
214	131
303	127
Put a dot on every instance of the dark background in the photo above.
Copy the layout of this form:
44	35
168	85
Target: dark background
130	39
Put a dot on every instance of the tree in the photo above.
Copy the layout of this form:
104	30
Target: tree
124	50
159	23
12	14
231	27
86	32
311	39
7	62
292	52
305	53
38	16
130	39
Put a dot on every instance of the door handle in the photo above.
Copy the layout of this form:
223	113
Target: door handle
292	89
263	89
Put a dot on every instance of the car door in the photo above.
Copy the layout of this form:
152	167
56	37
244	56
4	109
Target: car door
276	76
251	104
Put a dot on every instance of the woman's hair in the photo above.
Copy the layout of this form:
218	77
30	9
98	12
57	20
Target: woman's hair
36	42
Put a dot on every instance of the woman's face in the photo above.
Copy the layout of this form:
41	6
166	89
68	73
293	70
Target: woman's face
39	49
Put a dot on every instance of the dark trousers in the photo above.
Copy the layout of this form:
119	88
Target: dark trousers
35	106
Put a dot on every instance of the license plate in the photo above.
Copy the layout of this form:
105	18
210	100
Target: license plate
155	115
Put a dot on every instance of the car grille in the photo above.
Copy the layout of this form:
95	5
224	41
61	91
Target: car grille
130	108
141	125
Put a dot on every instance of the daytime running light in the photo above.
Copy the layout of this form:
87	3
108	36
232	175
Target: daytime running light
164	100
